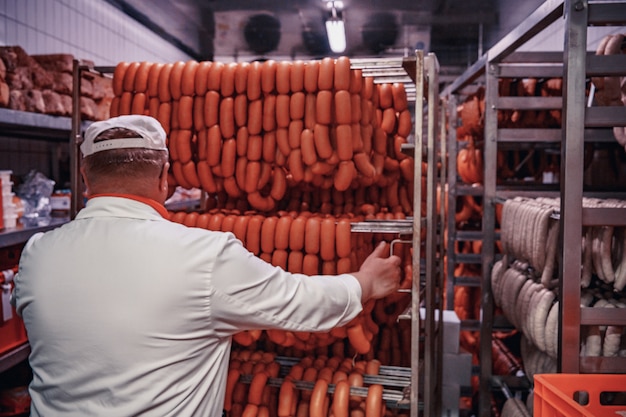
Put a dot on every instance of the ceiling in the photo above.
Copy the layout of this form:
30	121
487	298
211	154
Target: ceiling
456	30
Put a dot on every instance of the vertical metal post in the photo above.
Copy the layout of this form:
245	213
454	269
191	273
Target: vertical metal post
417	221
572	157
75	180
488	229
451	222
432	306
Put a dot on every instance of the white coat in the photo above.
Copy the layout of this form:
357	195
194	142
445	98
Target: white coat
130	314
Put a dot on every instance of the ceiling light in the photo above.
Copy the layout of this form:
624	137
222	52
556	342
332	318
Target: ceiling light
335	28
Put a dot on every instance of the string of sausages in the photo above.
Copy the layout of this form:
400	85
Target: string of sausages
336	374
250	131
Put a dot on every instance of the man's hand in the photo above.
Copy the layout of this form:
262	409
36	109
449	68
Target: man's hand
380	274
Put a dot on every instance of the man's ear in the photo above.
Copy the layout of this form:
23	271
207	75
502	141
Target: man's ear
163	177
87	192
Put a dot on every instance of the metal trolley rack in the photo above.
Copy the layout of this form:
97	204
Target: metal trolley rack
580	124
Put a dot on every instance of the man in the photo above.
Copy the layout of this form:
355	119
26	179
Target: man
130	314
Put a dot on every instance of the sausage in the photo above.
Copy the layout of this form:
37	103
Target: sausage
399	97
241	77
282	141
241	170
356	81
358	338
279	184
296	167
269	147
205	176
174	120
282	110
114	108
260	202
380	141
253	234
327	236
227	81
185	112
201	79
307	144
296	234
385	96
231	187
405	124
311	75
240	228
129	76
367	89
343	107
254	81
323	105
309	110
342	73
325	79
295	132
295	261
269	113
198	113
214	146
388	123
211	108
255	148
341	399
286	398
296	76
188	78
177	170
319	399
283	77
182	144
312	235
344	142
255	392
240	109
142	77
138	105
268	76
374	401
229	154
227	117
231	380
126	103
164	116
344	266
250	410
255	116
343	235
252	176
118	77
268	231
323	146
283	228
242	141
175	81
214	79
344	175
296	106
279	258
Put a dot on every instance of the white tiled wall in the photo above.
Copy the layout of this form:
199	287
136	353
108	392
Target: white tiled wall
87	29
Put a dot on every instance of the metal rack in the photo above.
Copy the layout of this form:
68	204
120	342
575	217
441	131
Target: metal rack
424	73
580	124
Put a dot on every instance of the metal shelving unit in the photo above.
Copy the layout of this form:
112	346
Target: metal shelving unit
580	124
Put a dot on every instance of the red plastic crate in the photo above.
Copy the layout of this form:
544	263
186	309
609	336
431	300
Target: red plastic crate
554	395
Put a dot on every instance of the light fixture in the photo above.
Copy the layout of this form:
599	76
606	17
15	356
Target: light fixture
335	28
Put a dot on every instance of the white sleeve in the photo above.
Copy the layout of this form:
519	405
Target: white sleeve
250	293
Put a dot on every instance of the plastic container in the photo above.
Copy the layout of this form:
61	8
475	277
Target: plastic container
555	395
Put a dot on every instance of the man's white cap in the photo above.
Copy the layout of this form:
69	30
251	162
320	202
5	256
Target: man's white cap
150	134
